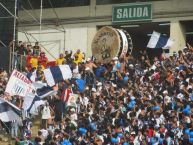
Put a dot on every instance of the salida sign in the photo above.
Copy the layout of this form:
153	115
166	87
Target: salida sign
132	12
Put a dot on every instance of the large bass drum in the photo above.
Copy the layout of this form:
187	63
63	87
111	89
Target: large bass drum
110	42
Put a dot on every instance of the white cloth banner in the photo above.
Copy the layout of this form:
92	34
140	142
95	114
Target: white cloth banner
28	102
18	84
8	111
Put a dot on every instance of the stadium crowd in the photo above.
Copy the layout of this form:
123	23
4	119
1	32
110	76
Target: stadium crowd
128	101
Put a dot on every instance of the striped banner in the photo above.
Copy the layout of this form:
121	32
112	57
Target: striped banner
56	74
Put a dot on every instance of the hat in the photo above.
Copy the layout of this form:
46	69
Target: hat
185	48
100	137
114	85
165	92
145	70
177	68
93	90
99	84
132	98
131	65
115	58
133	133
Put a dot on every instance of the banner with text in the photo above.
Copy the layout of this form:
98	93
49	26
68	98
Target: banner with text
18	84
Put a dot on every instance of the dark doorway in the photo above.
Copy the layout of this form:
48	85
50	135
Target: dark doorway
141	33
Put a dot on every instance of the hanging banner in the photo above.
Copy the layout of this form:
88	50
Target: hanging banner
18	84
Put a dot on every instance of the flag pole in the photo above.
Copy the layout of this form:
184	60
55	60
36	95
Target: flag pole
8	129
14	34
41	6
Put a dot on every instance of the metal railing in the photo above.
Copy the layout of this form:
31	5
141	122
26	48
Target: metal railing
17	61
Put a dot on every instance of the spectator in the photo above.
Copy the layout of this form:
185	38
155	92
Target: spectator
42	60
28	59
76	60
60	60
14	128
68	57
29	48
36	49
90	65
79	55
46	114
126	101
34	61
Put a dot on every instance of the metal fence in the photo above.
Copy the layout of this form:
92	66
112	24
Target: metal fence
17	61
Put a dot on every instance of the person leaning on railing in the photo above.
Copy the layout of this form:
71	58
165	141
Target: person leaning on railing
36	49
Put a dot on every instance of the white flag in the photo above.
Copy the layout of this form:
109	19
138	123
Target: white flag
158	40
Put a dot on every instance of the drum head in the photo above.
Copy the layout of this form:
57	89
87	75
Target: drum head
106	44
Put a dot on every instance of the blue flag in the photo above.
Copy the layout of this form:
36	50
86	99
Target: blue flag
81	85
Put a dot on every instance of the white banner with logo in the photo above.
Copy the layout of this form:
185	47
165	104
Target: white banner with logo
18	84
72	100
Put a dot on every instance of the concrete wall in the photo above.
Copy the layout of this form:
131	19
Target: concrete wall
80	22
54	42
51	41
161	10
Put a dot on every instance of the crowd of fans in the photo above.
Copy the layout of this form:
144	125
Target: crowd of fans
28	57
128	101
